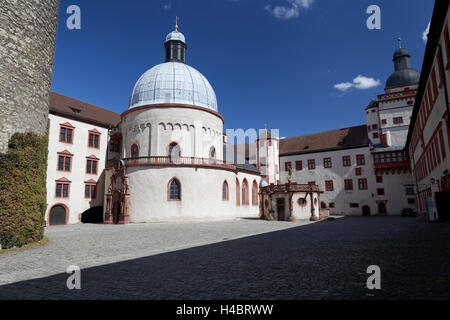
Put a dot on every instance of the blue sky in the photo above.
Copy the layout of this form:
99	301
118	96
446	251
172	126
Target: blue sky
273	62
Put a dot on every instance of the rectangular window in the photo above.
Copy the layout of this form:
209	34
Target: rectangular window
327	163
380	192
447	46
375	127
434	84
62	190
287	166
331	205
410	191
346	161
90	191
384	121
354	205
411	201
298	165
375	135
360	160
362	183
398	120
94	140
358	172
379	179
91	166
348	185
64	163
66	134
329	186
311	164
441	141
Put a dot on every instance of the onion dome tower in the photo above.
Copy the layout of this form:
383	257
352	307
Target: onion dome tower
403	74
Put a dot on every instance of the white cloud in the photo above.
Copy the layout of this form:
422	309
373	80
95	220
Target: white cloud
360	82
425	33
292	11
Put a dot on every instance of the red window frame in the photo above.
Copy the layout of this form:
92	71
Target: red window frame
348	185
362	184
398	120
331	205
227	191
358	172
63	183
65	155
327	163
67	128
361	160
312	164
329	185
354	205
384	121
90	165
447	46
95	134
346	161
379	179
298	165
287	166
380	192
92	193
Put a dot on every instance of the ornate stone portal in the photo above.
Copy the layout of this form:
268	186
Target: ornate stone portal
117	198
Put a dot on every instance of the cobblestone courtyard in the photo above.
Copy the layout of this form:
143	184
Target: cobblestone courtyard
243	259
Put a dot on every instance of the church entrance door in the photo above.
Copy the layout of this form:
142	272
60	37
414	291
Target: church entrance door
116	213
280	209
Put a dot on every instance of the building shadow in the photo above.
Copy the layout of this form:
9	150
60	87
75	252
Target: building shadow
325	260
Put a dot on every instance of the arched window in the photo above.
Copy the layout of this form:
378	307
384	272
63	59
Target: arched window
245	198
255	193
212	153
225	194
134	151
238	193
174	151
174	190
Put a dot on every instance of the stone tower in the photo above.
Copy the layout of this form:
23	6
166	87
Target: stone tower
27	46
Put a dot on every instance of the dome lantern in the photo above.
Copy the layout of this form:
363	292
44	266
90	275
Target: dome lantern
175	46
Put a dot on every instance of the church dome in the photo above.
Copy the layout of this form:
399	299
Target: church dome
403	74
173	83
403	77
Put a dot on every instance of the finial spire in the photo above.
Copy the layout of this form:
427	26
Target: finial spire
399	42
176	23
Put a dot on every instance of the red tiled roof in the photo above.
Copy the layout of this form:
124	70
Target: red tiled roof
331	140
82	111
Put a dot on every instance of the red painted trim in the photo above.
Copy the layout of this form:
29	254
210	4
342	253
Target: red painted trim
327	163
66	126
168	189
346	159
174	105
227	191
95	133
131	150
255	193
92	166
63	182
65	154
238	193
168	148
245	193
56	205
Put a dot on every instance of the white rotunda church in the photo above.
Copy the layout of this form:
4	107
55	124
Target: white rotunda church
171	166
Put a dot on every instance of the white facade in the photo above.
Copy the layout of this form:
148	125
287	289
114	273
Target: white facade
76	203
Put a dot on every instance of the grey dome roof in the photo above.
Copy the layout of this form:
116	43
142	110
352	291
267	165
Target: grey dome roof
402	77
403	74
173	83
176	35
